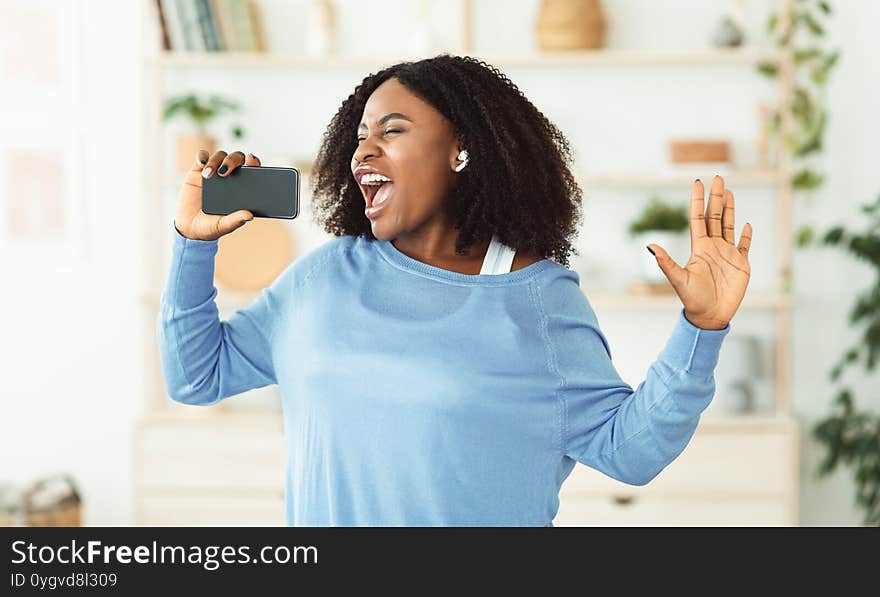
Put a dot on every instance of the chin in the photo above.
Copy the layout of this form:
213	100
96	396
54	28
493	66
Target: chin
382	232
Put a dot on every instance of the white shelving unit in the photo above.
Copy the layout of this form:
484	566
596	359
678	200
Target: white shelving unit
758	452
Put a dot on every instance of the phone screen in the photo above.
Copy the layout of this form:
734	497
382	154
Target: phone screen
265	191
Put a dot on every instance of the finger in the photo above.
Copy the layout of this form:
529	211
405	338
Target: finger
716	203
745	240
200	160
673	272
233	221
230	163
728	227
697	215
252	160
213	163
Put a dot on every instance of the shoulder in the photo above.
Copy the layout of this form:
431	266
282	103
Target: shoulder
567	312
322	257
560	294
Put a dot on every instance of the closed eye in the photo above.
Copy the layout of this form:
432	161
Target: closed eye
386	132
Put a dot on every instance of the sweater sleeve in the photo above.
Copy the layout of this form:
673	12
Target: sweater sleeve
630	435
204	359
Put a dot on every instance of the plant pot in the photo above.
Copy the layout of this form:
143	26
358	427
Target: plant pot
677	244
189	145
570	25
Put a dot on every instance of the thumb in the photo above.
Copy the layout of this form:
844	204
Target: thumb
242	216
234	221
673	272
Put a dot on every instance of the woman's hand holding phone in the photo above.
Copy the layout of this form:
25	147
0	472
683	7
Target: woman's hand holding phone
190	220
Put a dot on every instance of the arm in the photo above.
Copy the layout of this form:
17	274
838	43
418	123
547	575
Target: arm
630	435
204	359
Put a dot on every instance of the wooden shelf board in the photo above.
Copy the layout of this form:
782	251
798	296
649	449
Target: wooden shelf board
622	181
744	423
618	181
612	301
273	421
747	56
629	301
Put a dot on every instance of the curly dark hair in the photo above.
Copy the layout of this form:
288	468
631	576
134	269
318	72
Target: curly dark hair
517	184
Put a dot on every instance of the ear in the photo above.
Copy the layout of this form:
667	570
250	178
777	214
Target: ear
453	155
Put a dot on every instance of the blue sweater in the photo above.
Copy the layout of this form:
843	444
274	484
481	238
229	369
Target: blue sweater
413	395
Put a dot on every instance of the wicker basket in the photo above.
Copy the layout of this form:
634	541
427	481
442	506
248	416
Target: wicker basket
53	502
62	515
570	25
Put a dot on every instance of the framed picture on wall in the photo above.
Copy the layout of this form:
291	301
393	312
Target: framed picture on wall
41	135
40	54
41	196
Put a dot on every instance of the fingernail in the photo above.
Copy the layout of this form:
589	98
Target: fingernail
697	180
206	172
204	161
650	251
222	169
255	157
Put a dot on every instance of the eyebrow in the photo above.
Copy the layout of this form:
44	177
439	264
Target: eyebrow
386	118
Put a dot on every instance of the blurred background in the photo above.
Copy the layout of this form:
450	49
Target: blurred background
105	101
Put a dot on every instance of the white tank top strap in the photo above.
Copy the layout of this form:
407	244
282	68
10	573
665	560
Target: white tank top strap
498	259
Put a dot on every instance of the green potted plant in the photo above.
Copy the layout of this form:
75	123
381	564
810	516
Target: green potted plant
199	111
666	224
850	433
803	25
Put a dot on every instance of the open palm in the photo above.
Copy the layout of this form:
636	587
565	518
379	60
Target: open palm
713	282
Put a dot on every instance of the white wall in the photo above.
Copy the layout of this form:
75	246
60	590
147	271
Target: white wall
70	339
73	367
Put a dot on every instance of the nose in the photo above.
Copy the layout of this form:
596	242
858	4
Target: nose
365	149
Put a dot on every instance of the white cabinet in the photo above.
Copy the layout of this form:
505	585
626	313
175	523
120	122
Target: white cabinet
209	469
731	473
224	469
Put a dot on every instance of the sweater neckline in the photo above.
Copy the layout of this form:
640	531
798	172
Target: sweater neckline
403	261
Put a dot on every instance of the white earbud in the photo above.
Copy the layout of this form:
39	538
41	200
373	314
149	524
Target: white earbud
463	158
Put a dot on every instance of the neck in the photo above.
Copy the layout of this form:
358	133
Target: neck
437	247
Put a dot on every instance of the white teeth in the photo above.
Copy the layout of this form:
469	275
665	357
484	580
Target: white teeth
374	178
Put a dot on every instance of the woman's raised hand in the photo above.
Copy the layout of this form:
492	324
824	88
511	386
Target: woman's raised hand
712	284
190	220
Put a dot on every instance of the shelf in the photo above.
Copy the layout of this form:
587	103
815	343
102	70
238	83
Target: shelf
742	178
745	423
774	422
746	56
273	421
610	301
632	185
733	178
628	302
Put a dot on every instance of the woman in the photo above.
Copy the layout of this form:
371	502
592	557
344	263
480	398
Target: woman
437	360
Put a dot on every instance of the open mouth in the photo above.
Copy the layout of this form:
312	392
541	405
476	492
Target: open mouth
371	190
376	188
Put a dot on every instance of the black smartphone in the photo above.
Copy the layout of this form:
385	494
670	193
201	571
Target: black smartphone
265	191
